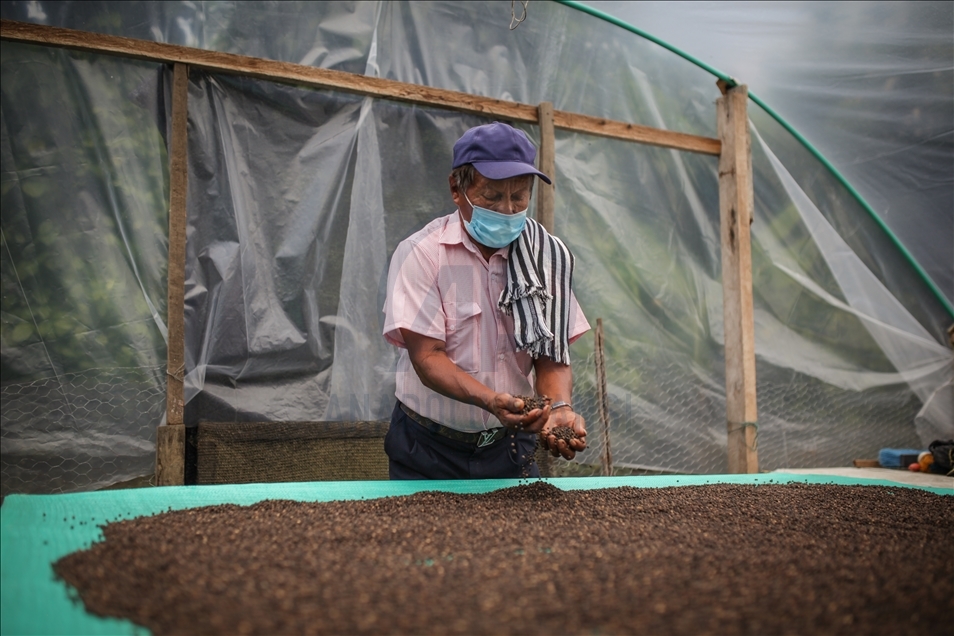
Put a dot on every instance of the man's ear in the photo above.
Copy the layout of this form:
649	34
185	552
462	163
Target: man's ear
455	191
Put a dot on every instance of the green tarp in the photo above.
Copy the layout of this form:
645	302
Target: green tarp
36	530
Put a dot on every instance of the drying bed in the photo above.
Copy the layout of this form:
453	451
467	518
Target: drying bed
690	554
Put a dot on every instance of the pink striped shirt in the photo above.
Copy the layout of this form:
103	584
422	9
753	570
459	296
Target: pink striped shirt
441	287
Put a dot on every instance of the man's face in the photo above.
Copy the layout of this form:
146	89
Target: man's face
506	196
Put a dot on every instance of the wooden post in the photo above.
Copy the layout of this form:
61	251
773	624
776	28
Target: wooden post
547	165
170	438
607	458
736	202
170	455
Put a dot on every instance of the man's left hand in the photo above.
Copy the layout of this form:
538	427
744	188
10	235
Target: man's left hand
558	447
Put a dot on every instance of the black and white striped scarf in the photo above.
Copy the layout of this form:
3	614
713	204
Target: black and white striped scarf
537	295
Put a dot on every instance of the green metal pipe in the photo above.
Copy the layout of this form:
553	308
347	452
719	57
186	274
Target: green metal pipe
580	6
585	8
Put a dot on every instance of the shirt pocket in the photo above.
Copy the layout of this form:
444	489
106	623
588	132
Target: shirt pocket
463	335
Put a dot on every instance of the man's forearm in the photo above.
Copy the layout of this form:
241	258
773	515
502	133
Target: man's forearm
554	380
438	373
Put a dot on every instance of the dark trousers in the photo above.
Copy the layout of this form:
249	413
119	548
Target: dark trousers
415	452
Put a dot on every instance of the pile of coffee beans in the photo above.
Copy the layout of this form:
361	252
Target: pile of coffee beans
533	559
563	432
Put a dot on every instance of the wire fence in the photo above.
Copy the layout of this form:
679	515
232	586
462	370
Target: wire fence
80	431
87	430
666	415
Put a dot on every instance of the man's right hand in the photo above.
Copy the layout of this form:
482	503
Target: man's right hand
509	411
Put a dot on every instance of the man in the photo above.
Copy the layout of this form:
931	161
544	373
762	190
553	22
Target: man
480	303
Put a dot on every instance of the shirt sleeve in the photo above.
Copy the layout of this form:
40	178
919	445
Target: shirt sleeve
413	299
578	323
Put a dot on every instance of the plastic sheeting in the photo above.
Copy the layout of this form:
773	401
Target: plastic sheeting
82	325
297	198
870	84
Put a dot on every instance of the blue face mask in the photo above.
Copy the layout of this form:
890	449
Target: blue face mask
494	229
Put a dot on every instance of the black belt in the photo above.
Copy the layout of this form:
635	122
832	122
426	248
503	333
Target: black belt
479	439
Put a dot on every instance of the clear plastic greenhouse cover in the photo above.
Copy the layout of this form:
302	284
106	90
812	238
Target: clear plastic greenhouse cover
869	82
298	197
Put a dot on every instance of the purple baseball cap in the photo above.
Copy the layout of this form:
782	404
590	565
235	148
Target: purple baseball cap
497	151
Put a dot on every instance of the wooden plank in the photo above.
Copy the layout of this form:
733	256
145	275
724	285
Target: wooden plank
265	69
174	473
286	72
736	203
546	163
170	455
634	132
603	399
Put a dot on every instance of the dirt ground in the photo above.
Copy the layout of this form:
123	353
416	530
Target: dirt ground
717	559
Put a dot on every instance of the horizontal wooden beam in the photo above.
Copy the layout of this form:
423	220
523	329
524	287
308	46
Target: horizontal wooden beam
286	72
634	132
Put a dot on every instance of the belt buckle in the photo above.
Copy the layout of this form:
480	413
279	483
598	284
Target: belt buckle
488	437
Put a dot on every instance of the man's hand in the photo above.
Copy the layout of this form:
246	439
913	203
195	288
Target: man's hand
558	447
509	410
556	380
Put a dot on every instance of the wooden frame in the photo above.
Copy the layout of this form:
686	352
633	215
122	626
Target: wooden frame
546	162
736	204
171	439
735	196
287	72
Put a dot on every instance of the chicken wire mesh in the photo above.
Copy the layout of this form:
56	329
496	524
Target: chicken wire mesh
666	416
663	418
80	431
